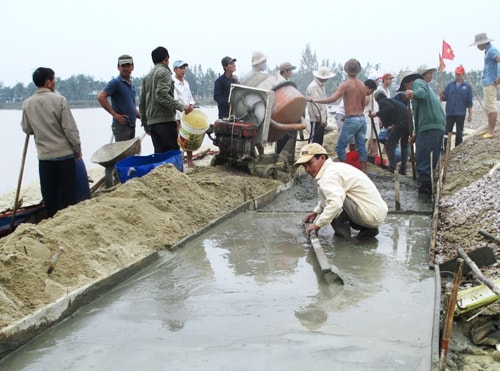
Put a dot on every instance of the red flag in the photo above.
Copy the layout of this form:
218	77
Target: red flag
447	51
442	66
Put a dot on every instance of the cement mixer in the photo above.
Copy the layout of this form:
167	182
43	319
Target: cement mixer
258	116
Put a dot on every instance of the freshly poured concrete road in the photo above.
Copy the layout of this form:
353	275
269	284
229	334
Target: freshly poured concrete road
245	296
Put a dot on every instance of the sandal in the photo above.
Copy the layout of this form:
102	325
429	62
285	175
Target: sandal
488	136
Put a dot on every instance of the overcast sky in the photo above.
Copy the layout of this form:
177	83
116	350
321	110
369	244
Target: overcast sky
86	37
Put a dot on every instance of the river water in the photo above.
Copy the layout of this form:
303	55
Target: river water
94	125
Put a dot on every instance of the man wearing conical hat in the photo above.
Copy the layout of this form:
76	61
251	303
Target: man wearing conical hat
429	126
490	80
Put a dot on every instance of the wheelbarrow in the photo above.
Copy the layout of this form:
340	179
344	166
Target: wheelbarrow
109	154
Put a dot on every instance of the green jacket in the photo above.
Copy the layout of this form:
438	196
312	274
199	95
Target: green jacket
157	103
427	109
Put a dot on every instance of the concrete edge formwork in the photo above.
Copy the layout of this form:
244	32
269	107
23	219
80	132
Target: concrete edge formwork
21	332
436	323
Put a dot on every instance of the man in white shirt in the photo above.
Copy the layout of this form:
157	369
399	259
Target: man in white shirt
183	94
347	196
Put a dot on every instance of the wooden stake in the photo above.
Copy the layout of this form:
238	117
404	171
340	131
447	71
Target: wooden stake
450	315
396	191
447	154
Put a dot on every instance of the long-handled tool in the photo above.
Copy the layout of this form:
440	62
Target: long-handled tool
378	144
329	271
412	150
19	181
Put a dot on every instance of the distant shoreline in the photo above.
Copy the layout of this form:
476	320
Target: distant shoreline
87	104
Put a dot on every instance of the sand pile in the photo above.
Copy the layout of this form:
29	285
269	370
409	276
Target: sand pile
106	233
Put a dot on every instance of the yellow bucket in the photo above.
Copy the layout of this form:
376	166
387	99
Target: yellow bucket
192	130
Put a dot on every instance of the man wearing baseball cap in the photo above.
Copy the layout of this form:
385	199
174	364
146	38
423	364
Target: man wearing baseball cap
286	69
222	86
458	97
347	196
490	80
123	108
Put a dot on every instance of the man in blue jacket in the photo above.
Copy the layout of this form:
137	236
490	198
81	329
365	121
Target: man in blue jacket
458	97
222	86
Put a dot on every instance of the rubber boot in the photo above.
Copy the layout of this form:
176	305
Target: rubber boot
367	232
364	232
424	187
342	227
363	167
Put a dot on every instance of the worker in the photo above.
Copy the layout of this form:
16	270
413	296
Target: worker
347	196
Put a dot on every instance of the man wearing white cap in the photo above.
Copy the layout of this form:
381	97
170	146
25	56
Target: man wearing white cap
182	92
426	72
318	113
490	80
347	196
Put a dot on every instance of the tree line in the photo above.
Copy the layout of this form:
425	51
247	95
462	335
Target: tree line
84	88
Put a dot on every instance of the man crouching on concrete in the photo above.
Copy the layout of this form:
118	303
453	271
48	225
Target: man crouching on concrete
347	197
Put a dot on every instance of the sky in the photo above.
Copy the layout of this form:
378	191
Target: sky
86	37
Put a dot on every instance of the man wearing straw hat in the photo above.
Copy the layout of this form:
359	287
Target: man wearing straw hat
318	114
490	80
354	93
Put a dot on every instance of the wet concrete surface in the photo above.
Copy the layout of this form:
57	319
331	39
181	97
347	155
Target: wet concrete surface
245	296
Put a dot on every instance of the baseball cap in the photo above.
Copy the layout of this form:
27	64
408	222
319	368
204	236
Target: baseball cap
460	70
125	59
308	152
287	66
227	60
180	63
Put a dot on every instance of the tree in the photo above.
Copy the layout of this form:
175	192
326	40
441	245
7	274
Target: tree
308	60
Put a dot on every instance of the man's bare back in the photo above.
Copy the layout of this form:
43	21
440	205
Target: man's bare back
353	92
353	96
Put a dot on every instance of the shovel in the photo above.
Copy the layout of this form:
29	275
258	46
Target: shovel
329	271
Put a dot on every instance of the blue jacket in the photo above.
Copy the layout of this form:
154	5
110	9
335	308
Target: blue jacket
458	98
222	88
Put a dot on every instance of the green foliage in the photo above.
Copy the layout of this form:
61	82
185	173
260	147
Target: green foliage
82	89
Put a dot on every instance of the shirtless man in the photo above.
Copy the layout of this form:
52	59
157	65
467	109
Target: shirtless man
353	92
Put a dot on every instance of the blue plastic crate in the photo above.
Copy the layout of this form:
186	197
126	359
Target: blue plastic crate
138	166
